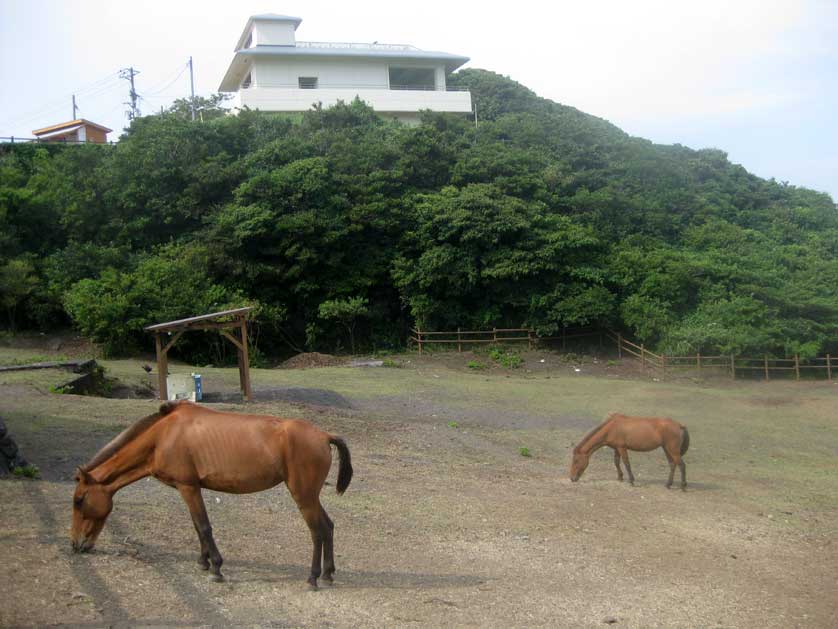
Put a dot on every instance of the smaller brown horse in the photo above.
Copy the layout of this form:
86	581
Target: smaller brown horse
190	447
623	433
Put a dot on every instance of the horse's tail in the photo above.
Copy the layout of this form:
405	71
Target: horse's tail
345	471
685	440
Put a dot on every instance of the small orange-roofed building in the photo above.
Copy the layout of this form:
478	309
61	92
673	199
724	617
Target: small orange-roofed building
80	130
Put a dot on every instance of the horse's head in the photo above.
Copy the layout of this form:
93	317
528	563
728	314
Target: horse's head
580	462
92	504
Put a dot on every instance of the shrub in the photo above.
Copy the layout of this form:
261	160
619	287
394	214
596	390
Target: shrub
27	471
506	358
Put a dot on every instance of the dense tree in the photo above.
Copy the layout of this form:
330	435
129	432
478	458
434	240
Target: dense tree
538	215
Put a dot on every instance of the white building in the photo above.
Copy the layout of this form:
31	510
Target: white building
272	71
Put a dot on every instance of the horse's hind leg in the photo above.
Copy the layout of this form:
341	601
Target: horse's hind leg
625	457
671	468
683	467
312	514
617	465
308	502
210	557
328	547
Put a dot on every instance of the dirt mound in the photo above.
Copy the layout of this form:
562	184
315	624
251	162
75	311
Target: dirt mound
309	360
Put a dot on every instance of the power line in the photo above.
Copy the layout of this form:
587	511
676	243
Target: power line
60	103
174	74
154	92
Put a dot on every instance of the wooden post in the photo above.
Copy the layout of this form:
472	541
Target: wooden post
529	339
797	366
828	368
619	345
766	366
494	335
162	368
564	333
643	356
419	338
244	365
663	363
698	361
732	367
459	342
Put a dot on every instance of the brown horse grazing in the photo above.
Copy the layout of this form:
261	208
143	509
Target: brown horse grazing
623	433
190	447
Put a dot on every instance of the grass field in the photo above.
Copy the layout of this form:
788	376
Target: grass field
446	522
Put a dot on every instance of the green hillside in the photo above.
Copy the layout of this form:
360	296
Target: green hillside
539	215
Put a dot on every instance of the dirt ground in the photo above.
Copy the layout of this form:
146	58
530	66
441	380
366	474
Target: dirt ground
445	522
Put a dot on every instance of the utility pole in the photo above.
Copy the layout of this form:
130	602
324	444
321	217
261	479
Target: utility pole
192	86
74	107
129	74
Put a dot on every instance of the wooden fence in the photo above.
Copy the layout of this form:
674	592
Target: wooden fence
762	366
731	365
529	336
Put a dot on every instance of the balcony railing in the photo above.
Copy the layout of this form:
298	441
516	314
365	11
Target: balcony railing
357	46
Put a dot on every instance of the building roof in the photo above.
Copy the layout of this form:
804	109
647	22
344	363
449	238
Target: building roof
67	127
266	17
242	60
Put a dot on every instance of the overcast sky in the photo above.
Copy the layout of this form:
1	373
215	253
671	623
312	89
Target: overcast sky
755	78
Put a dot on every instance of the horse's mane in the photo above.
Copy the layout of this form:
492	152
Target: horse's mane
130	433
593	431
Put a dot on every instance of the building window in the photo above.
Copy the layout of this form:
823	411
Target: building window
246	82
412	78
308	82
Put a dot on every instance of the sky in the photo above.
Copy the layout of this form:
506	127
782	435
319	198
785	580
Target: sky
755	78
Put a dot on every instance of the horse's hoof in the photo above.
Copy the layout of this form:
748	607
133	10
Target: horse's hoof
327	581
203	565
216	578
312	587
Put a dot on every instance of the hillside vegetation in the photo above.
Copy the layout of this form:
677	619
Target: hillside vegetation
339	221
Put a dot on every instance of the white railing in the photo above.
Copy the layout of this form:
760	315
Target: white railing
356	46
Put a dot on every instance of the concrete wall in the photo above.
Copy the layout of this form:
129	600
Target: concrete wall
335	72
273	33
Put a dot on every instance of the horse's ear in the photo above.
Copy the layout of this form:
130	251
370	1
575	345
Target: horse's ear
83	475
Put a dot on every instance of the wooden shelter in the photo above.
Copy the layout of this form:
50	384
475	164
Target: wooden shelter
77	131
224	322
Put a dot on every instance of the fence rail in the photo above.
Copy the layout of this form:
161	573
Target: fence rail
11	139
461	337
730	364
662	363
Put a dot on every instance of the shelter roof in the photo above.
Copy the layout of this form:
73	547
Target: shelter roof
70	125
184	324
